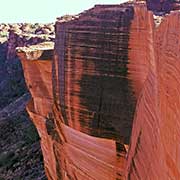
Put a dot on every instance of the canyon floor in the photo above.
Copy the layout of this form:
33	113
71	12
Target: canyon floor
20	151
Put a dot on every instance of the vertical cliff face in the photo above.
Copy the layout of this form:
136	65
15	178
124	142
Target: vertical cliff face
154	149
91	86
168	101
111	64
37	65
140	47
91	72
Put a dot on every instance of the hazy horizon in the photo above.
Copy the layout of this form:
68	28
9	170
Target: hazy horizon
44	11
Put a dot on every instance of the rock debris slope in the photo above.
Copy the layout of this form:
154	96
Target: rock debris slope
20	152
113	67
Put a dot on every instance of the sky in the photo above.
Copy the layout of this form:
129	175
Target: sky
44	11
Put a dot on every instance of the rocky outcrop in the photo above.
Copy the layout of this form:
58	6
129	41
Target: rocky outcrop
91	88
113	67
22	39
24	34
160	5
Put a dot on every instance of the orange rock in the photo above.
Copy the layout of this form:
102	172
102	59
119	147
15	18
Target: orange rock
154	149
38	76
84	96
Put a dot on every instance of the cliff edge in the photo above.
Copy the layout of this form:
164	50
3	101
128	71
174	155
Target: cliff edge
105	99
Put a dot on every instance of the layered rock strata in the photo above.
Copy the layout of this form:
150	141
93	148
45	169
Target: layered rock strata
90	52
91	88
111	64
37	64
89	124
154	149
23	39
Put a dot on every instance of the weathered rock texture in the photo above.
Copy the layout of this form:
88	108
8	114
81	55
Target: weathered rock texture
21	39
91	90
155	150
91	51
37	65
89	123
111	64
160	5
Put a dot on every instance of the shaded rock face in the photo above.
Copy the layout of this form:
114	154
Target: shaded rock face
160	5
20	153
111	65
93	94
91	73
3	52
20	40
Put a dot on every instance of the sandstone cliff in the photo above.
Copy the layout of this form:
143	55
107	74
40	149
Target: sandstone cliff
37	65
113	67
154	150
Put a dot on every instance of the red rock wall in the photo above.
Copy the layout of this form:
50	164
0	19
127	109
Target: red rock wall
80	156
21	39
154	149
140	47
90	70
104	62
38	76
167	38
91	88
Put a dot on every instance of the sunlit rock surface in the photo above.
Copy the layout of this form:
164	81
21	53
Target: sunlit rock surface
113	67
37	64
154	149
